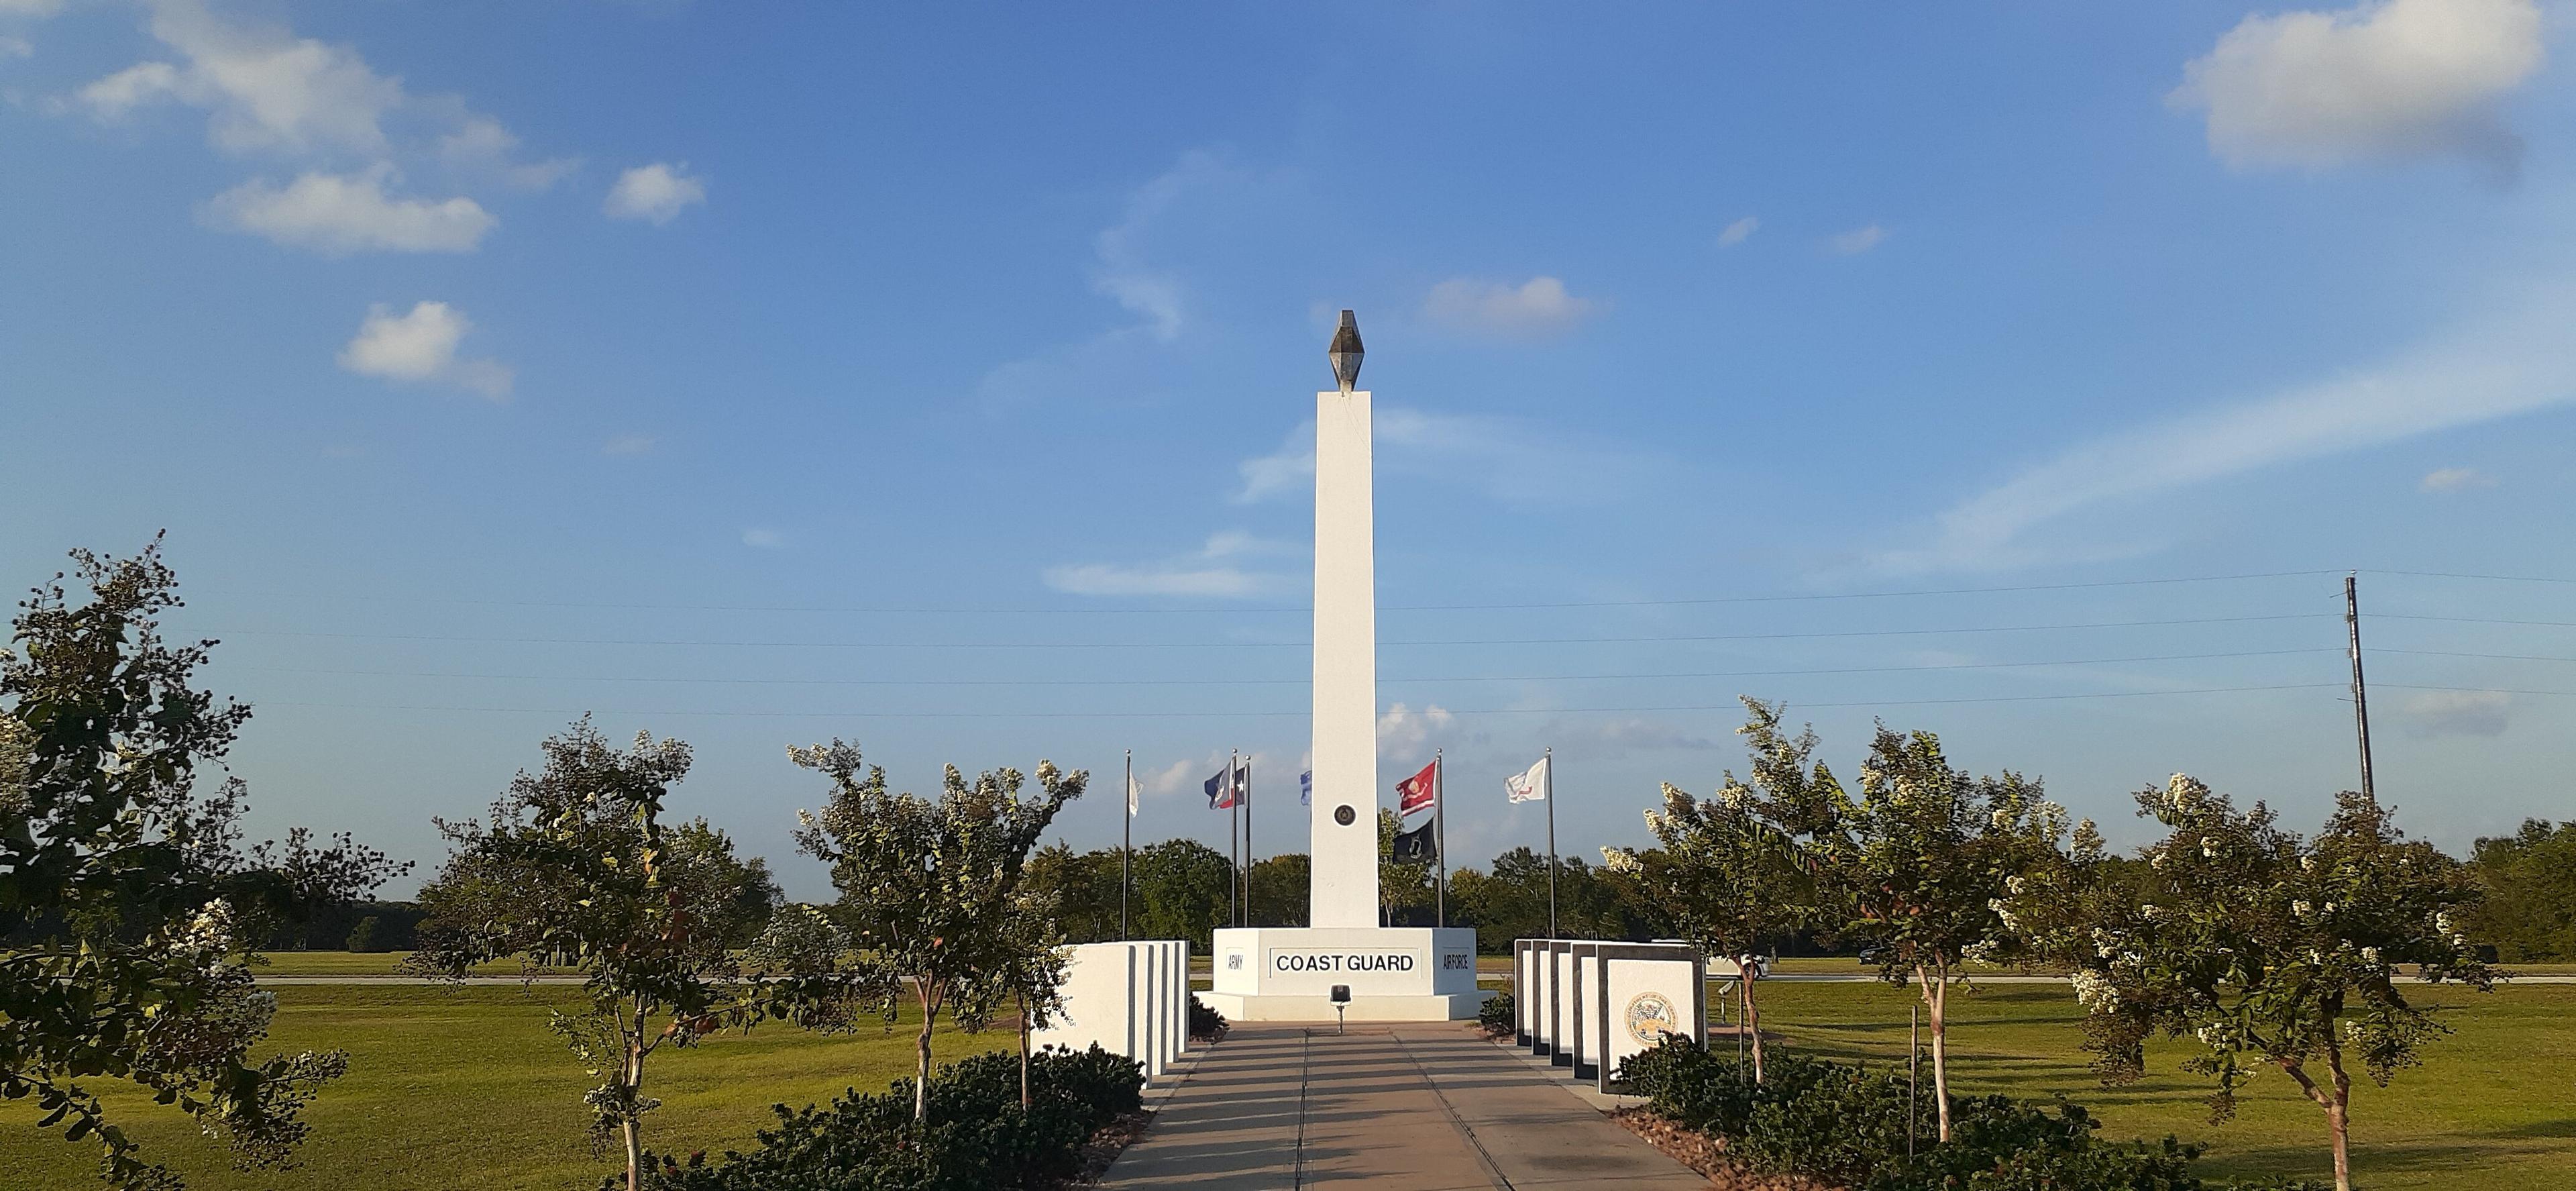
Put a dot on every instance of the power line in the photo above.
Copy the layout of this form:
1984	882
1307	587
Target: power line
2455	575
2474	690
2543	624
1098	682
2011	628
1184	715
2500	657
1017	611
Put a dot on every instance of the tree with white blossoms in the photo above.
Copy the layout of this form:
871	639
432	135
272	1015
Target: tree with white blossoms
2265	949
1920	864
930	888
575	868
1729	872
127	911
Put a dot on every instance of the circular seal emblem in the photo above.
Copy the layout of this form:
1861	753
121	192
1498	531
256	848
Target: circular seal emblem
1650	1017
1344	815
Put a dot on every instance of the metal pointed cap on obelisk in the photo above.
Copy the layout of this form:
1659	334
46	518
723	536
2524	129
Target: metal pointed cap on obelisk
1345	352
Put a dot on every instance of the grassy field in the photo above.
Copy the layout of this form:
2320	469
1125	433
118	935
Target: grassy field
2493	1106
465	1088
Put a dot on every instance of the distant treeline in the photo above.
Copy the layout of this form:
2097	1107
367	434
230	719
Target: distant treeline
1179	892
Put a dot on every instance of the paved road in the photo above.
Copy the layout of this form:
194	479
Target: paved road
1430	1107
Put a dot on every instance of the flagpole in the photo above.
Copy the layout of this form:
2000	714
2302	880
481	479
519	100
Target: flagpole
1127	846
1440	835
1248	856
1549	756
1234	841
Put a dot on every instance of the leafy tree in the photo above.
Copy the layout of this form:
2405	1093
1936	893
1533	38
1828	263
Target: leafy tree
125	905
1078	891
2528	879
2263	948
576	869
1731	878
1280	885
1180	891
1403	886
932	889
1027	973
1919	861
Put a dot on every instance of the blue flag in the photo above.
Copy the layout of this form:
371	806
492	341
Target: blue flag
1306	788
1220	790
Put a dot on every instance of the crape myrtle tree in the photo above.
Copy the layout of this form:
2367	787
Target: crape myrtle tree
2264	949
930	889
1920	862
126	907
575	868
1726	873
1026	974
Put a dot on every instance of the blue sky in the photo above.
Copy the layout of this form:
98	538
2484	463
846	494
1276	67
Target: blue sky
937	377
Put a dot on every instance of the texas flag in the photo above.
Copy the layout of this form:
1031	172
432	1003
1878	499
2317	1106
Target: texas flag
1420	792
1227	785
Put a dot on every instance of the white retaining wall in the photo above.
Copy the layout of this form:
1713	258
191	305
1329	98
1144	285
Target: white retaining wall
1128	998
1590	1004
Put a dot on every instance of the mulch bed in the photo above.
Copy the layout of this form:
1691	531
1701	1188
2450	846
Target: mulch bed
1111	1141
1706	1156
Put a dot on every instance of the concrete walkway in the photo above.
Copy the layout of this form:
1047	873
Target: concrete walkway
1430	1107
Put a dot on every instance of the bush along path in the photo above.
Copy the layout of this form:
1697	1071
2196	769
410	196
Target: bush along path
1083	1107
1825	1124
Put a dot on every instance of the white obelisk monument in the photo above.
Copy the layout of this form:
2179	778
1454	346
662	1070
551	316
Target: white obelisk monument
1345	959
1343	819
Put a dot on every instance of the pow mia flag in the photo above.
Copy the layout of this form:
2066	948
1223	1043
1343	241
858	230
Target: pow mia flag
1416	846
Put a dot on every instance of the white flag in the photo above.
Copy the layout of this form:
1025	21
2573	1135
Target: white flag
1530	786
1132	792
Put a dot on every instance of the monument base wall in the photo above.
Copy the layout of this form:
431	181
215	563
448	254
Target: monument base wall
1398	973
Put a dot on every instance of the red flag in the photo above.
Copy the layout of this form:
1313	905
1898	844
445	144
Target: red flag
1419	792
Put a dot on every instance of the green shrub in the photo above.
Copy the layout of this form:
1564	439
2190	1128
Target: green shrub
977	1136
1497	1015
1847	1125
1206	1024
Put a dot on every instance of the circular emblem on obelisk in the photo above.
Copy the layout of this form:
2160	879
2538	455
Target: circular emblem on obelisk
1650	1017
1343	814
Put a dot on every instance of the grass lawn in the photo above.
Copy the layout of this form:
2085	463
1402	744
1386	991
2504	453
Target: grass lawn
357	963
465	1088
2493	1106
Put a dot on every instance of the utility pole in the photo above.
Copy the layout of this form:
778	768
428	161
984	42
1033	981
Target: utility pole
2360	692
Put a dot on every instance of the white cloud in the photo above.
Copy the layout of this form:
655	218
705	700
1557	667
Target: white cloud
16	47
1404	734
267	91
2395	79
1738	232
1120	271
1858	240
480	143
2456	479
655	193
2507	365
628	444
421	347
117	95
1214	571
2458	713
1509	459
764	539
30	8
1179	579
1538	305
344	213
